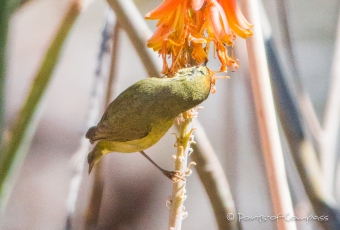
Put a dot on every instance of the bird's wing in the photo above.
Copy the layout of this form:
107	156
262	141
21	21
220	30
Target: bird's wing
123	130
125	119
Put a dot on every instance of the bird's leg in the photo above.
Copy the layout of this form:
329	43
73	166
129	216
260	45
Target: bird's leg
172	175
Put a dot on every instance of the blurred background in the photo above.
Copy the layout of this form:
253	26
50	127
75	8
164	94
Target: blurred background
135	193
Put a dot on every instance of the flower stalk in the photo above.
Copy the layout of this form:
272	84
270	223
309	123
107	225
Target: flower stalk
177	209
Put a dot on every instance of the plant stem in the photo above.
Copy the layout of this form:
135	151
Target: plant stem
330	138
7	7
138	31
177	209
114	63
22	132
4	19
299	142
266	117
94	112
214	180
5	13
93	209
303	99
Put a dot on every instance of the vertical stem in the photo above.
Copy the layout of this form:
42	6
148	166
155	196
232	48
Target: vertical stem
23	129
177	209
266	117
95	109
93	210
113	65
332	120
300	145
306	107
214	180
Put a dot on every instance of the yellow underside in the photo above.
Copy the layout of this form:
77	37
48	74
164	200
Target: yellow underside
157	132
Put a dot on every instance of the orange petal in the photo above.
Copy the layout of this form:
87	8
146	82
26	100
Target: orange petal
241	32
158	34
165	64
236	20
197	20
223	17
213	19
165	8
196	4
243	21
214	24
199	54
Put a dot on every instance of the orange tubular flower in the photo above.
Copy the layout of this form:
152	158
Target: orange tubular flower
238	24
186	27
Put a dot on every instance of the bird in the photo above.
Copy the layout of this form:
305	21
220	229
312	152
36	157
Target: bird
141	115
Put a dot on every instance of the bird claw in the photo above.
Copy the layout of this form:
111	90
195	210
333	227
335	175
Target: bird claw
175	176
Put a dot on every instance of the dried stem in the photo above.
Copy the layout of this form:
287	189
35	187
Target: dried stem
304	101
93	210
331	120
12	153
300	145
95	109
214	180
177	209
113	65
134	25
78	160
266	117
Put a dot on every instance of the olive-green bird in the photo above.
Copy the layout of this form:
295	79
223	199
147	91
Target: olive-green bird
141	115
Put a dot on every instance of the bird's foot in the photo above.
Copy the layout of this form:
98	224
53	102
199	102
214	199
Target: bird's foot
175	176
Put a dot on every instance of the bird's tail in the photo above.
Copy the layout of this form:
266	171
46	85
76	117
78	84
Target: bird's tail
94	156
91	134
